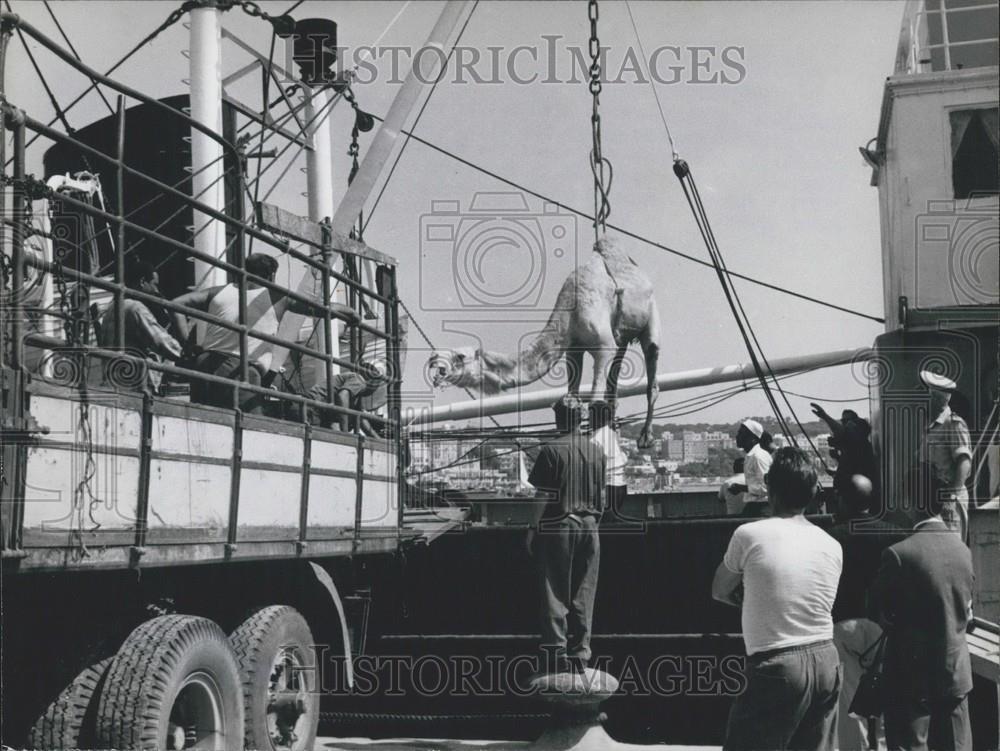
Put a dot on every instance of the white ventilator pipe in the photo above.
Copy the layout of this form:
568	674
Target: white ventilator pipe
207	164
319	177
525	402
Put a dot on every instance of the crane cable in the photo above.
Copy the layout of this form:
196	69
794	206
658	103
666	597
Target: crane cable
683	173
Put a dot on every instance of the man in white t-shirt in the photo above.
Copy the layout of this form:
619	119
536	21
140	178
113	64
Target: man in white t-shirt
755	467
783	572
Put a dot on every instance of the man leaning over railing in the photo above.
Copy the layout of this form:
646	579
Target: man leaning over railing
218	353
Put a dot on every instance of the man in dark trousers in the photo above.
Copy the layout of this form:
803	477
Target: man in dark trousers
862	538
569	476
922	597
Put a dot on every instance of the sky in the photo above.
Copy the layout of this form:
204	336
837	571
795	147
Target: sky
769	122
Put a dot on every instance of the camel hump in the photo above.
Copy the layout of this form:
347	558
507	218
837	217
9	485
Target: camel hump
615	259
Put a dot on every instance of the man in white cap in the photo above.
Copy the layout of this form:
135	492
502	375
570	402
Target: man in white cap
947	452
755	467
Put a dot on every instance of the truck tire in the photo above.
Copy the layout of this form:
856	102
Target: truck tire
68	722
175	675
278	669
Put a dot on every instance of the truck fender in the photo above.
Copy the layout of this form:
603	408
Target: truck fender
325	581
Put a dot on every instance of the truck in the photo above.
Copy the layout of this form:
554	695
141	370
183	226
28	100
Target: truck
180	574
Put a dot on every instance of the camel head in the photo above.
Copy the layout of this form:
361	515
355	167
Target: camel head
466	367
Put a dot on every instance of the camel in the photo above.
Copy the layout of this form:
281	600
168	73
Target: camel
602	307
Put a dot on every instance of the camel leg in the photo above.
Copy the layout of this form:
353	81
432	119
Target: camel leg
611	384
574	368
649	340
604	363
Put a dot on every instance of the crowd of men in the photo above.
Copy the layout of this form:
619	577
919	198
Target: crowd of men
214	347
821	610
843	627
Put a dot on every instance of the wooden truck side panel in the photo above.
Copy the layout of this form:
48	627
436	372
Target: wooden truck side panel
113	480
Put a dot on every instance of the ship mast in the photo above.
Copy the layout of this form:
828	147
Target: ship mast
207	163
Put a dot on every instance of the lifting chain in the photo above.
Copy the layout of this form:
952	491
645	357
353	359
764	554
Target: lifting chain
599	165
363	122
284	25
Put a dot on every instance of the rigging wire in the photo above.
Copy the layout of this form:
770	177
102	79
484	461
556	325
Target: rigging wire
170	20
73	50
420	113
683	172
649	77
628	233
60	113
260	148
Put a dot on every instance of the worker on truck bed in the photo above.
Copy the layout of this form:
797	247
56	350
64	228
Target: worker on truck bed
219	351
348	390
144	336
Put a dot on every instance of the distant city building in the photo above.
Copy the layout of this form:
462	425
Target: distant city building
674	450
695	450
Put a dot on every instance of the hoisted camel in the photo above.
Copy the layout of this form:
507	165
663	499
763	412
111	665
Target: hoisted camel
603	306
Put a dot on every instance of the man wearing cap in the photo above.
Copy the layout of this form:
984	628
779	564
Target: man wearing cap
755	467
569	476
947	452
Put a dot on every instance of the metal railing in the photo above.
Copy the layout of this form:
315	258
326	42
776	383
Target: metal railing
25	188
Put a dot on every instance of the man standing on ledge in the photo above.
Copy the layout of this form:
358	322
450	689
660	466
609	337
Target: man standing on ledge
784	572
569	476
947	452
755	467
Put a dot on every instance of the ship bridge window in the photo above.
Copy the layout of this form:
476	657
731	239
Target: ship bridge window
949	35
974	135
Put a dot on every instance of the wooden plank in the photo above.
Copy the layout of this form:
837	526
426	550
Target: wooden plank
984	652
276	219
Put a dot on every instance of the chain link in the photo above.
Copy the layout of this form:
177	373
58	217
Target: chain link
600	166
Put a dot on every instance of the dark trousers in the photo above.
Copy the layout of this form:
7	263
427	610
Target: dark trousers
568	555
225	365
941	725
790	701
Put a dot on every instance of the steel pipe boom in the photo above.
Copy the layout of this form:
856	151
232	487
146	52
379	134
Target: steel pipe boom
526	402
